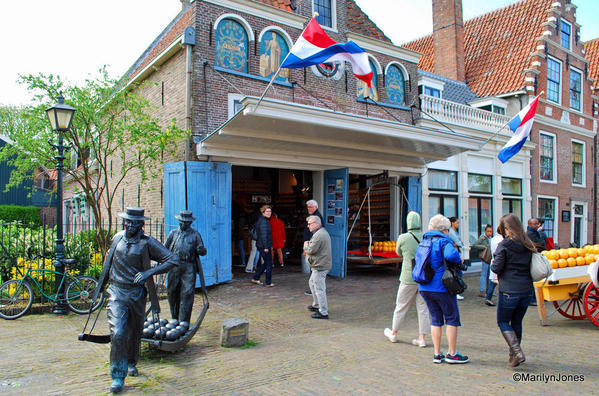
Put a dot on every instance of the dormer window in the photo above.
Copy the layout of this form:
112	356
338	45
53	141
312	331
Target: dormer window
430	91
430	87
566	34
492	104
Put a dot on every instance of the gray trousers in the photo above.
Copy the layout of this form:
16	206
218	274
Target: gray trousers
318	287
405	297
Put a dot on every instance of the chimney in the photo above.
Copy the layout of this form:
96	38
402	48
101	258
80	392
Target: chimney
448	35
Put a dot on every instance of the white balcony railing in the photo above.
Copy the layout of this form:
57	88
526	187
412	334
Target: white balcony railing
459	114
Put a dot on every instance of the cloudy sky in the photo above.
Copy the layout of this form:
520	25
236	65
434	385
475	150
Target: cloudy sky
74	38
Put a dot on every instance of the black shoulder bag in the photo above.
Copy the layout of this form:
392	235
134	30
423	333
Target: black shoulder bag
451	279
414	259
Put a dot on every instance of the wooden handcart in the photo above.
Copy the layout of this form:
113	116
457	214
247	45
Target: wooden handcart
572	293
378	258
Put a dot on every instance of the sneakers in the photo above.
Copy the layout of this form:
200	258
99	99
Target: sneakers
257	282
249	271
438	358
456	358
418	342
489	303
389	334
132	371
270	285
312	308
318	315
459	297
308	293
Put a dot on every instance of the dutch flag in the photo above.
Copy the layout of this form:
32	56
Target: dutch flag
314	47
521	125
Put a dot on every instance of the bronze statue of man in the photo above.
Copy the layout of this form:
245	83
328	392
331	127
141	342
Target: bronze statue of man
126	269
186	243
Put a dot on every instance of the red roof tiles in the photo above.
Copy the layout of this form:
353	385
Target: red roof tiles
497	47
360	23
591	52
282	4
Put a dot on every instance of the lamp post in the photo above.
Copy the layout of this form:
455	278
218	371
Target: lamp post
61	117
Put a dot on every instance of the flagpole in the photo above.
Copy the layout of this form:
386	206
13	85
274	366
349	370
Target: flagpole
503	126
279	69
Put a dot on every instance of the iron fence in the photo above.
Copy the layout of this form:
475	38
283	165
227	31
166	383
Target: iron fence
20	240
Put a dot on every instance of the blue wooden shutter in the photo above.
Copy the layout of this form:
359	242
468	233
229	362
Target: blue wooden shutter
335	216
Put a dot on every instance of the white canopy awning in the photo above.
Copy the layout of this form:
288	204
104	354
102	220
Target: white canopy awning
290	135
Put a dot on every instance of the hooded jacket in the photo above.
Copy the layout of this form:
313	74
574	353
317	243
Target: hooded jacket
511	263
442	248
406	247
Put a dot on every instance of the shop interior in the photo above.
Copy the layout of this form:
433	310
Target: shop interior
287	191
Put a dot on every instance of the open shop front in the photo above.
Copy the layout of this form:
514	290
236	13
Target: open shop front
280	141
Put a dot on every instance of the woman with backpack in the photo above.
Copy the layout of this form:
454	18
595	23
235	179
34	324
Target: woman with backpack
408	289
511	263
443	307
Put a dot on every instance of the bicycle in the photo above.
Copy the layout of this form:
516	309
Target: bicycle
16	295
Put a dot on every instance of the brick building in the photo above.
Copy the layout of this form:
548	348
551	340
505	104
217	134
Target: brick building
318	133
591	52
509	56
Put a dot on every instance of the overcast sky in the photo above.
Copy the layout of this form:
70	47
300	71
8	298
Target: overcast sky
74	38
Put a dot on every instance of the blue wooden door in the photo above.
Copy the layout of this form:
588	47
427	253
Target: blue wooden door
335	216
209	198
174	194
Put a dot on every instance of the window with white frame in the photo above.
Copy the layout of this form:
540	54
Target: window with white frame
577	163
434	92
575	89
443	198
546	156
511	188
325	9
566	34
546	211
553	80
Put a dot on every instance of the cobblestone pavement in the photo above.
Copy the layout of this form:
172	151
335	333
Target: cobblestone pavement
297	355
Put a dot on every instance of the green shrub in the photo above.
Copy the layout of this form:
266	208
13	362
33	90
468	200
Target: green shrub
23	214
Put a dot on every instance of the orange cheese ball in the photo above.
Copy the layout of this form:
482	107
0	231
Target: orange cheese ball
562	263
571	262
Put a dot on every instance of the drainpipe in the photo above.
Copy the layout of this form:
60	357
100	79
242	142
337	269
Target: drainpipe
188	42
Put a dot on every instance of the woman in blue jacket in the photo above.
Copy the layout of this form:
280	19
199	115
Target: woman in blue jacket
443	307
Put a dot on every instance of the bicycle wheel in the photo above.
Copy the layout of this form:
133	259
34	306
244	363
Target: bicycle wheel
15	300
79	294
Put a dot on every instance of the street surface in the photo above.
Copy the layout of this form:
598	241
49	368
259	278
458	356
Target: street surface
297	355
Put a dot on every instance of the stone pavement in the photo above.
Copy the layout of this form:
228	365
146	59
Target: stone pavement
297	355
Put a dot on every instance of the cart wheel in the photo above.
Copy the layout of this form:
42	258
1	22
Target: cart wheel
574	307
591	303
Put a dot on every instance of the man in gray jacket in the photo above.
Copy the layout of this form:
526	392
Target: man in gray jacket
319	258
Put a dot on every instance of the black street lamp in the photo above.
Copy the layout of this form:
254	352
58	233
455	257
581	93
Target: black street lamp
61	117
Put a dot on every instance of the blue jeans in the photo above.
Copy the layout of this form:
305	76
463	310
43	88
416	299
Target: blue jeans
241	250
490	289
266	266
484	275
511	309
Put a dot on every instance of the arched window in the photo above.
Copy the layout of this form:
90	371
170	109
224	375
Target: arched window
273	49
231	49
372	92
395	85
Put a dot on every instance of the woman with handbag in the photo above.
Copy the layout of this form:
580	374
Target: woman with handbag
511	263
442	306
485	257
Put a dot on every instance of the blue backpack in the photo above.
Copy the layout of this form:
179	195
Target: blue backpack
423	271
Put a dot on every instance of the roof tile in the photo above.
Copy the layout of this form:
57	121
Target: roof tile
591	52
497	46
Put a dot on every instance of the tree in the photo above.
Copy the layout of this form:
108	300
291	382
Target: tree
113	123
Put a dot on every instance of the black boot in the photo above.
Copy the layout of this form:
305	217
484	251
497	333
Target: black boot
516	354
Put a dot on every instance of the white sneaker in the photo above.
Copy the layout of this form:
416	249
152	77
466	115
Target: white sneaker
418	342
389	334
459	297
